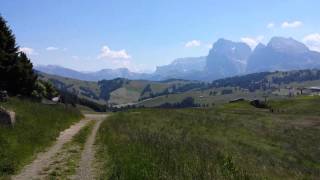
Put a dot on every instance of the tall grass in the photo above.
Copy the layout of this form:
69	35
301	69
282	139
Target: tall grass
236	141
37	126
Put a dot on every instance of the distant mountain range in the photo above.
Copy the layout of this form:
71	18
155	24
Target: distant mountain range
106	74
225	59
183	68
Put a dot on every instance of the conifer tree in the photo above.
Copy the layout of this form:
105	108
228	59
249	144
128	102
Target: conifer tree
16	70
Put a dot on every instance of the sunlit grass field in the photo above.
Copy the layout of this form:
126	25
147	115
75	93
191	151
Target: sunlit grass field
232	141
37	126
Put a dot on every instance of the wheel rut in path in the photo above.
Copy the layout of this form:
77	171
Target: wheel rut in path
44	159
85	170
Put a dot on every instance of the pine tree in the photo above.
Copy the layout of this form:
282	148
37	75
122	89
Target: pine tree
16	70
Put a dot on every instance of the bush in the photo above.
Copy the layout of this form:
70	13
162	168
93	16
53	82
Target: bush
187	102
259	104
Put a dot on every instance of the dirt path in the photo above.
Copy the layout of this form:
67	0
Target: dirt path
85	171
44	159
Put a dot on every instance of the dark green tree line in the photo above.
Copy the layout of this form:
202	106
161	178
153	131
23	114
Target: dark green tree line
16	70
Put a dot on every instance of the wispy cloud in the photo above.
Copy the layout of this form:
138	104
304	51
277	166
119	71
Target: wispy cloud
252	41
270	25
51	48
28	51
193	43
107	53
293	24
312	41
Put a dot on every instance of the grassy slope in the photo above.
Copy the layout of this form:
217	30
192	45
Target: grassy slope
74	85
204	97
233	141
131	92
128	93
37	126
124	95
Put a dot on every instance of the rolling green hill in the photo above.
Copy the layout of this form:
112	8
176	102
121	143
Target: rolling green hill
84	89
115	92
119	91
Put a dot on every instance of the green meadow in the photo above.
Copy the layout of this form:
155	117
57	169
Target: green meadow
231	141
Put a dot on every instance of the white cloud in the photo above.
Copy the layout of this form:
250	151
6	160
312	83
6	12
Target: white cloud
312	41
118	59
270	25
252	41
28	51
51	48
107	53
193	43
293	24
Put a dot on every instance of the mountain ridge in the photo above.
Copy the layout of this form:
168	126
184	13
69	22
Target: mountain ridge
282	54
225	59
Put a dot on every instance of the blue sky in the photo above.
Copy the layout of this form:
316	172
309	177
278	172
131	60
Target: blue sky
141	34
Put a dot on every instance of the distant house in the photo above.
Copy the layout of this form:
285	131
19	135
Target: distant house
56	99
237	100
315	90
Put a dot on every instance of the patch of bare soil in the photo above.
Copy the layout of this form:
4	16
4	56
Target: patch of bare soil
86	168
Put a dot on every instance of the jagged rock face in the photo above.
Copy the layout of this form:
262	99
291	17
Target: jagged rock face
7	118
182	65
282	54
227	58
182	68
